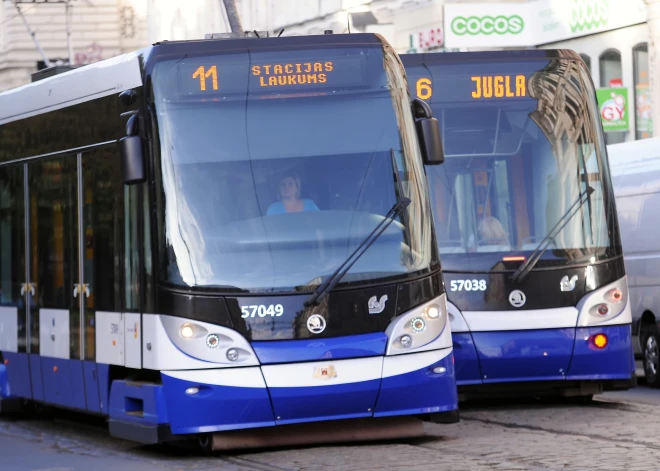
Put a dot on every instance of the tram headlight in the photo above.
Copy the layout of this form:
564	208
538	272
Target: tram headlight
212	341
405	341
232	354
607	305
433	311
614	295
187	331
418	324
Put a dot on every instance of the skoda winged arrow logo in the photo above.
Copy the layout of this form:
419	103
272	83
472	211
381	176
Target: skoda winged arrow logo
568	285
376	306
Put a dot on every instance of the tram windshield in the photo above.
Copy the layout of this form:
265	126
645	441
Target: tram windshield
275	166
523	145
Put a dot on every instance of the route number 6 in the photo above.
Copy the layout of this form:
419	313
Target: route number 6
468	285
424	90
262	310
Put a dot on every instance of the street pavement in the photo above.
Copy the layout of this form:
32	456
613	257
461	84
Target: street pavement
619	431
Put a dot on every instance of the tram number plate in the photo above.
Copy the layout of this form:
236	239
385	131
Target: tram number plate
261	310
468	285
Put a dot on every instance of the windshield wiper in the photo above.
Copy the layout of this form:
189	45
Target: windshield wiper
327	286
540	249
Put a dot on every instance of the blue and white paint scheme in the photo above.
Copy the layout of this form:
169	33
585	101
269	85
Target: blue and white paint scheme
150	284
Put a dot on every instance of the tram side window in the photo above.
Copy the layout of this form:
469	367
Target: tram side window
12	254
611	70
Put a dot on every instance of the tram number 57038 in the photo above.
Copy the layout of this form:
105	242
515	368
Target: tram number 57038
468	285
262	310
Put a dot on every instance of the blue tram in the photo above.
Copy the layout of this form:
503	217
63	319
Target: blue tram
224	234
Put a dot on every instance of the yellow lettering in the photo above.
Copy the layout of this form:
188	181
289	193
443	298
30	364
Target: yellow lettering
199	72
291	80
477	92
204	74
318	67
281	80
256	70
499	87
302	79
308	67
298	69
424	90
329	66
509	93
322	78
277	69
262	82
488	87
267	69
272	81
288	68
520	85
311	78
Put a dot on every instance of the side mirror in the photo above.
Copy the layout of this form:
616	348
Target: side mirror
130	151
428	133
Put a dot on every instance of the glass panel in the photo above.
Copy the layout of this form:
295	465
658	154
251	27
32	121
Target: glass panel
587	61
275	166
515	165
131	248
643	122
53	190
610	69
103	219
12	246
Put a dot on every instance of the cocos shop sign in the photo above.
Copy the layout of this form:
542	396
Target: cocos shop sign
475	25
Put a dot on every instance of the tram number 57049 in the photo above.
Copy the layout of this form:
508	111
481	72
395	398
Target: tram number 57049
468	285
262	310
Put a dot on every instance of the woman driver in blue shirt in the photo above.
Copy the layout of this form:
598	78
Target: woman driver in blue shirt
290	201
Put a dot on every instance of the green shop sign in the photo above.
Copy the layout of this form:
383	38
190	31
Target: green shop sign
587	15
613	108
475	25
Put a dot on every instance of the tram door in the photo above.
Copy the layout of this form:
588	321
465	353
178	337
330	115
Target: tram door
54	271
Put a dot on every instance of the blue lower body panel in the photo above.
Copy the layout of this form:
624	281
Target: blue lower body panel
18	374
4	383
524	355
422	391
548	356
467	368
37	378
615	361
308	404
215	407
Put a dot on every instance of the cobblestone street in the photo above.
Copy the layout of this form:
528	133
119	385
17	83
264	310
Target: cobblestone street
614	433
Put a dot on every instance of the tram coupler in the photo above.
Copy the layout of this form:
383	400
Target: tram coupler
314	433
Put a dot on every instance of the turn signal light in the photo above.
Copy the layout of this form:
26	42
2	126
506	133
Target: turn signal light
513	258
599	340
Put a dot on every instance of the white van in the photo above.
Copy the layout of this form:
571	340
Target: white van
635	168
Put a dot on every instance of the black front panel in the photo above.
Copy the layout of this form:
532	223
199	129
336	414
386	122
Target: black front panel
285	317
542	288
202	308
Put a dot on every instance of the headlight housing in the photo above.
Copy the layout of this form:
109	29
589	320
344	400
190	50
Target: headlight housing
609	304
420	329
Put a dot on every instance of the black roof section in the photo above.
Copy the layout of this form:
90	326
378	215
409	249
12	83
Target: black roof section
219	46
517	54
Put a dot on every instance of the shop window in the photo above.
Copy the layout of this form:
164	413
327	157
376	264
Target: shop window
611	75
587	60
642	91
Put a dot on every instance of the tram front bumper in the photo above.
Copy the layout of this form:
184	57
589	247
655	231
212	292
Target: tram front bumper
225	399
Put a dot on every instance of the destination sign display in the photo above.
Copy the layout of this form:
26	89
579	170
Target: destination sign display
480	87
227	75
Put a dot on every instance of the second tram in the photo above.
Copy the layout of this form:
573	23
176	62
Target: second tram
526	221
